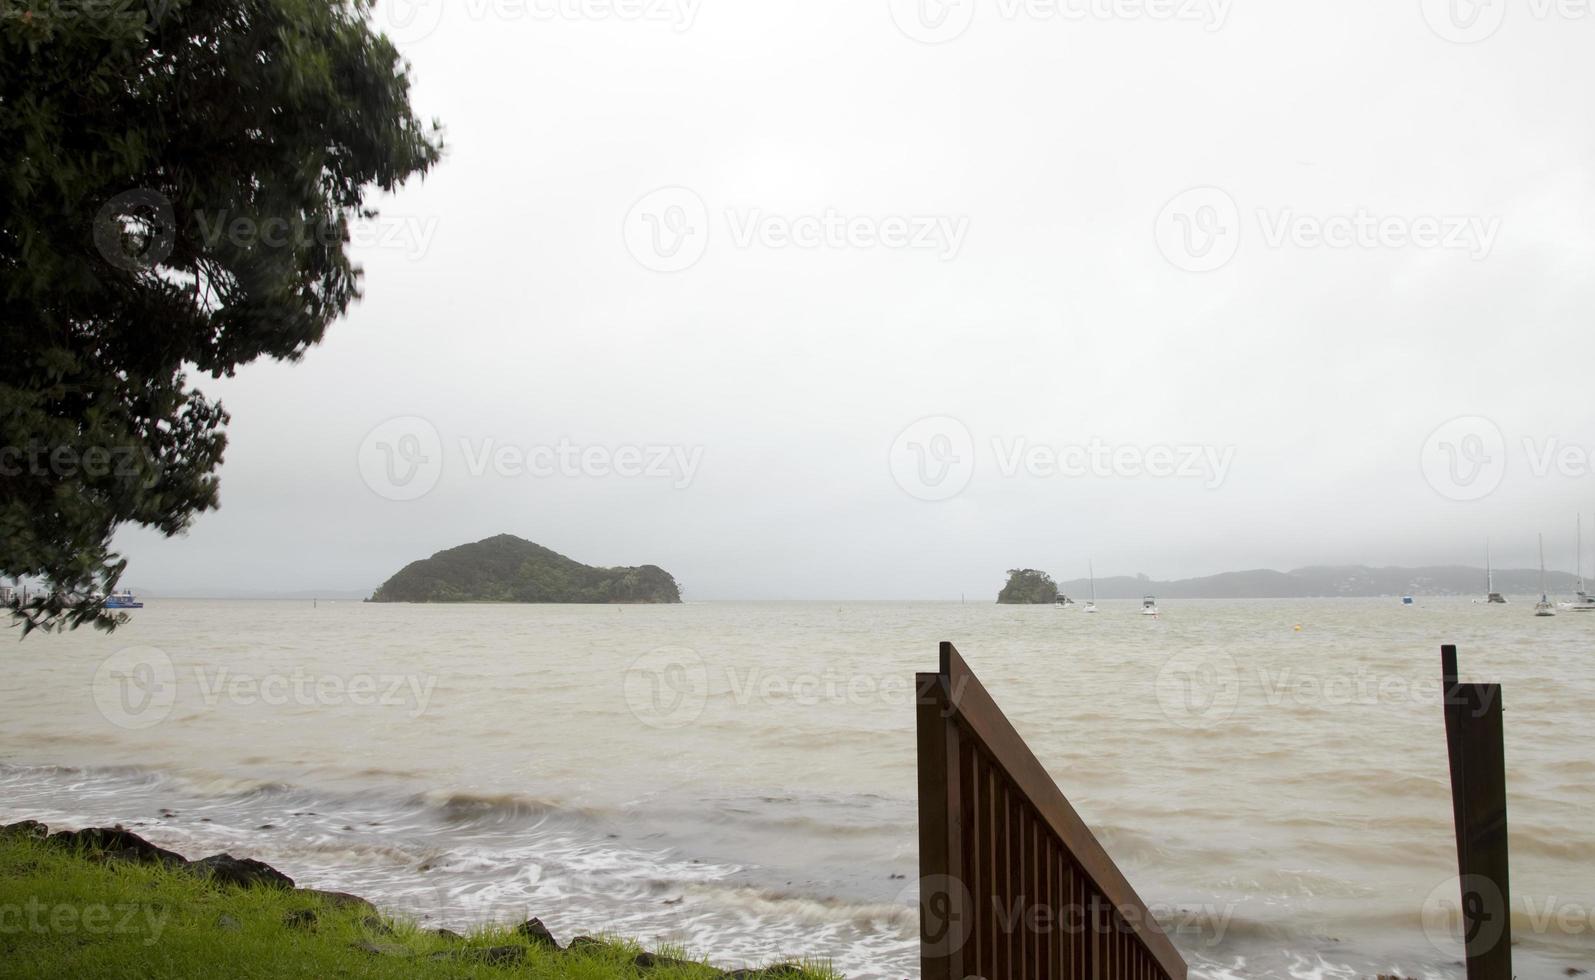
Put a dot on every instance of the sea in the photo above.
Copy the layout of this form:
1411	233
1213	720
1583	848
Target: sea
738	778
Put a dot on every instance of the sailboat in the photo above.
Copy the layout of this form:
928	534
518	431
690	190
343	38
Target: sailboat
1584	602
1543	607
1490	595
1091	604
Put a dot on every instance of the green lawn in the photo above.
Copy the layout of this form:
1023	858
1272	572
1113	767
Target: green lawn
68	914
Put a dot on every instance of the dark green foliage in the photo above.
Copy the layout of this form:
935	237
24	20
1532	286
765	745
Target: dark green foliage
175	189
509	569
1028	586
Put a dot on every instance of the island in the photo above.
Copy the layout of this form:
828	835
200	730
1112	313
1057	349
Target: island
505	568
1026	586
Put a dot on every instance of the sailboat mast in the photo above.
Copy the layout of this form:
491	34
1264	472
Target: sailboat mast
1489	573
1091	571
1579	558
1542	568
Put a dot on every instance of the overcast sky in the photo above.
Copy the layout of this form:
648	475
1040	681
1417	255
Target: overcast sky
841	299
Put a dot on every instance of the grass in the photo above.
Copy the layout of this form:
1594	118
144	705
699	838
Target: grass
64	914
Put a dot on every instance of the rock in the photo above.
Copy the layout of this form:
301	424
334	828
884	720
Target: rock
26	828
125	844
227	923
587	942
779	970
301	919
649	961
133	855
537	934
340	900
242	872
375	924
448	934
494	955
381	949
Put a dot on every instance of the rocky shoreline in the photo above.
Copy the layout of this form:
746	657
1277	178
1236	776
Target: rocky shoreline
111	845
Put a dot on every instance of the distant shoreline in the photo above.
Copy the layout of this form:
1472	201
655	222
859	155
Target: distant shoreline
1514	597
1314	582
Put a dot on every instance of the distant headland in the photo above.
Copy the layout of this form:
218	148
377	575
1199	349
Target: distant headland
1325	581
505	568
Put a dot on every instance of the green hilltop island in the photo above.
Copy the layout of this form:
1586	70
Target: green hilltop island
505	568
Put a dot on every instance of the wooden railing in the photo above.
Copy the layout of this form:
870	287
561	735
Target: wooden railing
1013	884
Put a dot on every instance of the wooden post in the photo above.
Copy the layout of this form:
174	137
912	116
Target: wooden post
1476	744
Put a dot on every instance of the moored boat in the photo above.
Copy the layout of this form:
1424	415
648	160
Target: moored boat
1583	601
123	599
1543	607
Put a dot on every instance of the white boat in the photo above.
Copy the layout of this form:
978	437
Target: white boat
1149	605
1491	597
1407	600
1091	604
1543	607
1062	600
1583	601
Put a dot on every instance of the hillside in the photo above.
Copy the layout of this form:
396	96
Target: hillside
510	569
1322	581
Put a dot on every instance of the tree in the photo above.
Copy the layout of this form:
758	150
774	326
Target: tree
175	194
1026	585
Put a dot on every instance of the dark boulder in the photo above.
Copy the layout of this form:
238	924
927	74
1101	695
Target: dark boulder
537	934
242	872
133	855
27	828
341	900
124	844
651	961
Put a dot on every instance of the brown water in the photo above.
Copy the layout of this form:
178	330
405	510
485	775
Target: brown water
739	777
